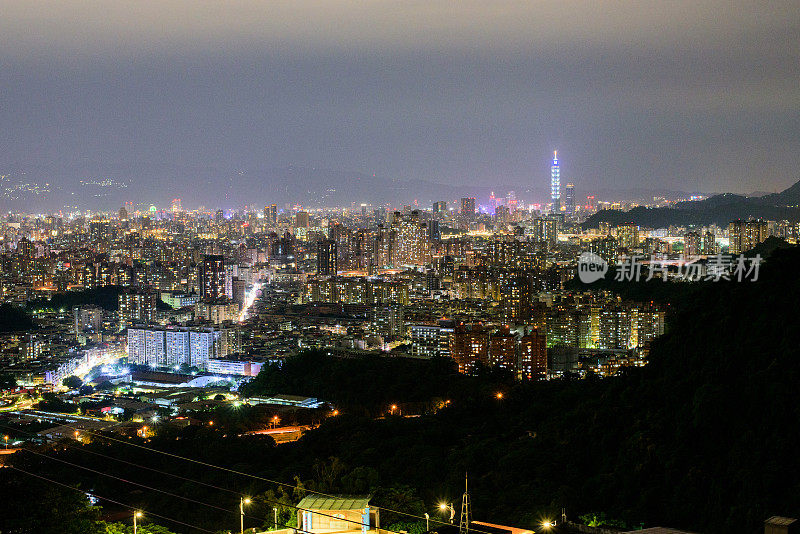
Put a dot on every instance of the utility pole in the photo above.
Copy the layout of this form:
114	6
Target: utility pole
466	513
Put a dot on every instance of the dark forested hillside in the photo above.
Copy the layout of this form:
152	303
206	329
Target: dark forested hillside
719	209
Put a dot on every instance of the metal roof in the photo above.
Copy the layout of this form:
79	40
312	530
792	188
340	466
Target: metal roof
339	502
780	521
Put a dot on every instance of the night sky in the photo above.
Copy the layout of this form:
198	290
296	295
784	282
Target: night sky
685	95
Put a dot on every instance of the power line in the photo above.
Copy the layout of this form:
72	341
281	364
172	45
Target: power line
188	480
257	477
176	521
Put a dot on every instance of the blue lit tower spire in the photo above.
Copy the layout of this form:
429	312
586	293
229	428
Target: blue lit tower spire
555	183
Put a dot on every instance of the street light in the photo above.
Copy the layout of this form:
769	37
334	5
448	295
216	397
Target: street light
445	506
135	515
6	438
547	525
276	517
427	522
499	395
242	502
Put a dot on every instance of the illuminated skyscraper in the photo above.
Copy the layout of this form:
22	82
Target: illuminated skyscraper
271	214
468	207
212	277
691	244
555	183
326	257
745	235
569	199
302	219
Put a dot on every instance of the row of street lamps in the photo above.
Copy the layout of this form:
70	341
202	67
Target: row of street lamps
546	525
138	514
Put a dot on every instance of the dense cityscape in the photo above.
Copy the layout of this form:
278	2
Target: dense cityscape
501	330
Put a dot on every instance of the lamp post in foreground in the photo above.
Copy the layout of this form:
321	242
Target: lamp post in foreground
242	502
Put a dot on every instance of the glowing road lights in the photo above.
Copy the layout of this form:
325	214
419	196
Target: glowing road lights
249	299
499	395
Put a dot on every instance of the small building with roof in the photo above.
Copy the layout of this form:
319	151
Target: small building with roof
337	513
781	525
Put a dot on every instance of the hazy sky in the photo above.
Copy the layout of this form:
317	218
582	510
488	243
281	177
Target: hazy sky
678	94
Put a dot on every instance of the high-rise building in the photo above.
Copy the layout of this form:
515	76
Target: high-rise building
327	257
502	214
744	235
470	347
569	199
88	319
546	231
628	235
439	207
216	311
691	244
271	214
411	239
503	349
302	219
434	234
387	320
168	347
432	340
709	243
532	359
212	277
468	207
555	183
238	290
136	307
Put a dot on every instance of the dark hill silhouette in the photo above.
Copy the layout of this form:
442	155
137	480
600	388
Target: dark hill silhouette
719	209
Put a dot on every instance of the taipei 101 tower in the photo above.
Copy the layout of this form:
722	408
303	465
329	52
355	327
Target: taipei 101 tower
555	183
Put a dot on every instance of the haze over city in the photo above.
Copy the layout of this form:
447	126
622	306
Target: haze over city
680	96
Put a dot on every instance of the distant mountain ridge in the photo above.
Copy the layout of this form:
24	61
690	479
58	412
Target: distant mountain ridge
718	209
102	187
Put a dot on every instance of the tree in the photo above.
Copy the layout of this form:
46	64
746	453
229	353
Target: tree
122	528
51	403
72	382
28	505
7	382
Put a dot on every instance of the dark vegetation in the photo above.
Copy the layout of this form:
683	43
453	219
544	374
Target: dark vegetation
14	319
719	209
704	438
106	297
369	385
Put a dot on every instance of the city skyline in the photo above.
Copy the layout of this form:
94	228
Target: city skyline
633	97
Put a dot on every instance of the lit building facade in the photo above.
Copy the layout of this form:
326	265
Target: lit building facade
555	183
